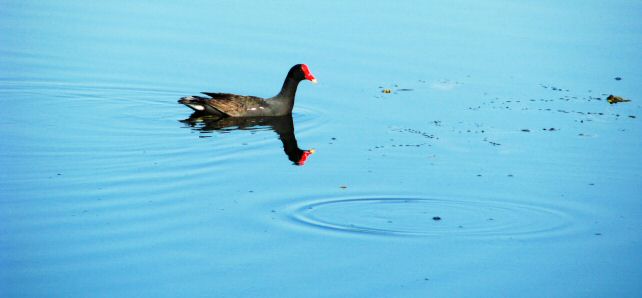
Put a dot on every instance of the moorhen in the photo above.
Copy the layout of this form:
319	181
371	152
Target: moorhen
232	105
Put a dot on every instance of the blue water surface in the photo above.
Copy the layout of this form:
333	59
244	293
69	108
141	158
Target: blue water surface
495	167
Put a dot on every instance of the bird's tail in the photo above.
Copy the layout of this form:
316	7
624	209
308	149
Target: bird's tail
196	103
200	105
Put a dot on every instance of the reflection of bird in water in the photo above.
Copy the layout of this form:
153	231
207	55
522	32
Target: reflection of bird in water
283	126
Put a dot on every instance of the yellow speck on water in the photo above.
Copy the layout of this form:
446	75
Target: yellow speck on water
615	99
386	91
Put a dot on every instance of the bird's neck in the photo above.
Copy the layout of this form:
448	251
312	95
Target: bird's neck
288	91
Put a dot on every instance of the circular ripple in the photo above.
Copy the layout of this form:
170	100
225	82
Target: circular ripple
432	217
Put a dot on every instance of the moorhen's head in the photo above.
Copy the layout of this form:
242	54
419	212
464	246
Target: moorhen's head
301	72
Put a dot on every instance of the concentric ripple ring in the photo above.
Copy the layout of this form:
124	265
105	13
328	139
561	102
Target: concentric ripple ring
395	216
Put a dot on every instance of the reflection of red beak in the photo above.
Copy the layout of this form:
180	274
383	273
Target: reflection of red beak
304	157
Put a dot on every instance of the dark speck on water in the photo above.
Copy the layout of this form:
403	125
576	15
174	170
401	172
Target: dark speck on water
436	218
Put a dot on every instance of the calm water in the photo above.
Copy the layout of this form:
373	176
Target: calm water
495	167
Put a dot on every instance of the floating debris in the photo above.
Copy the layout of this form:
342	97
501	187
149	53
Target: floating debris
416	131
343	186
491	142
526	130
615	99
617	78
436	218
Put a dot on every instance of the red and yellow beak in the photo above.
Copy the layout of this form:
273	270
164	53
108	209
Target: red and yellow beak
308	75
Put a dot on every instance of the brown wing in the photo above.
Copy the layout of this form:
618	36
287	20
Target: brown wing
235	105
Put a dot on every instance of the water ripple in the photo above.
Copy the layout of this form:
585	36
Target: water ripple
430	217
